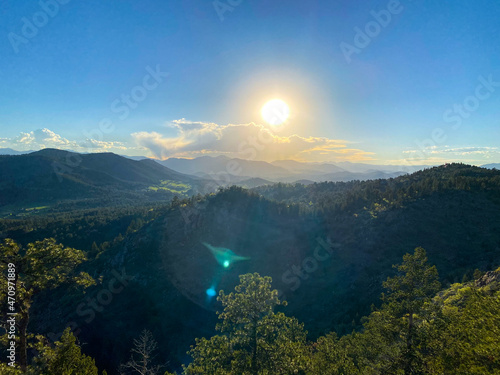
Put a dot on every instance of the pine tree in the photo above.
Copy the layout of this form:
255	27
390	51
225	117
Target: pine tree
255	339
66	358
94	250
41	266
330	357
408	303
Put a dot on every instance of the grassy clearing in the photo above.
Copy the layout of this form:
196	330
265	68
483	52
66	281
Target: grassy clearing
171	186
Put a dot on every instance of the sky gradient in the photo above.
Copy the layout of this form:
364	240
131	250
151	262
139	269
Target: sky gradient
383	82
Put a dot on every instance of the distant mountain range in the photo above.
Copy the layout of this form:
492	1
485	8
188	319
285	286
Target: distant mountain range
238	170
9	151
491	166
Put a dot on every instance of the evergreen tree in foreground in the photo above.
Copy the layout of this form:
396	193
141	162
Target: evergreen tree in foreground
408	305
41	266
66	358
396	337
254	339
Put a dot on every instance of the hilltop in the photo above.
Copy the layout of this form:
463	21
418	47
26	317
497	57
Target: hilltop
51	177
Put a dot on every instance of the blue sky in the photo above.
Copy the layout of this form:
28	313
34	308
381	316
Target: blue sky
425	89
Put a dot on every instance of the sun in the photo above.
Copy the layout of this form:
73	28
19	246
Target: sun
275	112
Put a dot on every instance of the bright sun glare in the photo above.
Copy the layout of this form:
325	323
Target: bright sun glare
275	112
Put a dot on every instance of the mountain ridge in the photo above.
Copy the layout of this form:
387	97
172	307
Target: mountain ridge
50	176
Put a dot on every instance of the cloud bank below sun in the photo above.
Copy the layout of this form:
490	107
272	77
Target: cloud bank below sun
246	141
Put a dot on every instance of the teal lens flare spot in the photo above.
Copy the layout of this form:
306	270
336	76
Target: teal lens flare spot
225	257
211	292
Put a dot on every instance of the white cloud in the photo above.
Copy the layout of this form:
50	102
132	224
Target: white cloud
45	138
92	144
471	150
455	150
38	139
446	154
246	141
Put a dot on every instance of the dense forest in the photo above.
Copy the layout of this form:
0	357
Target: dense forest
328	249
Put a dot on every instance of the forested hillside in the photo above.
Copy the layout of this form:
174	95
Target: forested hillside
50	178
328	248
